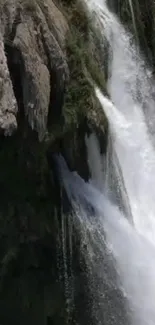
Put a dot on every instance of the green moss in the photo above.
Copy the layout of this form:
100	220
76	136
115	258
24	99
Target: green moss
84	68
29	202
78	96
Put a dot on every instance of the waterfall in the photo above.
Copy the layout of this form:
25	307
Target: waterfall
131	118
134	255
131	82
106	173
133	18
137	160
129	245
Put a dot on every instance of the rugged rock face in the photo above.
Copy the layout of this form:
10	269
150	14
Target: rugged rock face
8	103
48	59
47	104
34	36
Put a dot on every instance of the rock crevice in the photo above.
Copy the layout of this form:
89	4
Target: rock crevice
39	37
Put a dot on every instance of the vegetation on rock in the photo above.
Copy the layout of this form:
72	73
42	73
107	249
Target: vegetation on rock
45	90
49	63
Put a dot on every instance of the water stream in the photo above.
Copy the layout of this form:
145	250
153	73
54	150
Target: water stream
128	242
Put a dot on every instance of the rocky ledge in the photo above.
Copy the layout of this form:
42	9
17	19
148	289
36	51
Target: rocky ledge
32	41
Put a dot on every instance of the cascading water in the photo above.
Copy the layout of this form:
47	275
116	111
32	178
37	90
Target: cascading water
129	88
137	160
134	255
133	18
130	244
106	173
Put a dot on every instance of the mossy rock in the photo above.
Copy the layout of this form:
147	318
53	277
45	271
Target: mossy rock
30	208
84	69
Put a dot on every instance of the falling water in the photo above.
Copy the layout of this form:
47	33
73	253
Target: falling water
134	254
131	90
133	18
137	160
106	173
130	80
130	113
96	165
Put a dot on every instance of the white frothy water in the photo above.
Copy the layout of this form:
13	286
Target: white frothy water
137	160
131	82
131	91
132	123
106	173
134	254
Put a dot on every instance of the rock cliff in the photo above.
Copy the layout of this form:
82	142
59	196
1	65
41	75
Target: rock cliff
32	36
48	58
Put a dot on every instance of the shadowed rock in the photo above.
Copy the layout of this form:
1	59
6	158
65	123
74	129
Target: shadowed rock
8	104
37	30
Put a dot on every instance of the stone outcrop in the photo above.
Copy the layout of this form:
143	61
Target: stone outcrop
35	33
47	63
8	103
